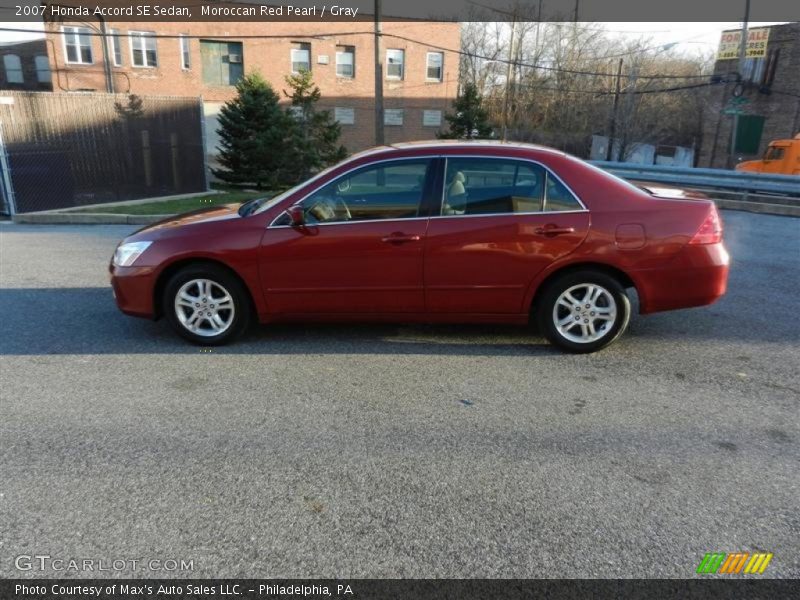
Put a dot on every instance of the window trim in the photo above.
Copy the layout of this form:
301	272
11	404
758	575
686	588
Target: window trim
74	33
19	69
427	66
40	70
304	47
440	182
186	53
352	64
116	47
402	65
402	117
547	174
140	35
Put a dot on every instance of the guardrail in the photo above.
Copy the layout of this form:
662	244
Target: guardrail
733	181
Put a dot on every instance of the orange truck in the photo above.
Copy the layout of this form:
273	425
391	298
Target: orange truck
782	158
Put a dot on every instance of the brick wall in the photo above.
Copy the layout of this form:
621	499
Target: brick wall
271	57
781	110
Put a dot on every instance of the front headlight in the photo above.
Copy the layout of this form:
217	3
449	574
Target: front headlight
126	254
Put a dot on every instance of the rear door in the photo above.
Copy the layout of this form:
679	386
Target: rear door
501	222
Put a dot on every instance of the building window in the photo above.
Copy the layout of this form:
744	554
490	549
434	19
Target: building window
346	61
13	67
769	69
78	45
434	66
222	62
395	60
186	58
116	47
393	116
345	116
431	118
144	52
42	69
301	57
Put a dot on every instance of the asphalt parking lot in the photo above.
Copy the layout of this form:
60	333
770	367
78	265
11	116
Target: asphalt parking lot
397	451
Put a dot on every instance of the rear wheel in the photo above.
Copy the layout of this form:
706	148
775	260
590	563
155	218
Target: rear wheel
206	305
583	311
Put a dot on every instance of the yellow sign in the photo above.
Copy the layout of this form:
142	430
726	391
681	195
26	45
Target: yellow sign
756	43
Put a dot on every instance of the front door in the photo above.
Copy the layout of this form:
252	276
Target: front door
360	250
502	221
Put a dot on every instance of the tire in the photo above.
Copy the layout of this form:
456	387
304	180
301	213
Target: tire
206	305
607	315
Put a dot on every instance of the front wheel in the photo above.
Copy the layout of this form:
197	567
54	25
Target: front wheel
206	305
583	311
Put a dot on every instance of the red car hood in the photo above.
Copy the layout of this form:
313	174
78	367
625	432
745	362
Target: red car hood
203	215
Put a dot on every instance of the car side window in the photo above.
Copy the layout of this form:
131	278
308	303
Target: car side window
559	198
475	186
387	190
774	153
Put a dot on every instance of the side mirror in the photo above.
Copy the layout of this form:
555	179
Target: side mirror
297	215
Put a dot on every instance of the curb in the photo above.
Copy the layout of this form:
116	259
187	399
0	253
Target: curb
62	218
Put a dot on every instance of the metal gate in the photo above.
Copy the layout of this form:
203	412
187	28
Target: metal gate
65	150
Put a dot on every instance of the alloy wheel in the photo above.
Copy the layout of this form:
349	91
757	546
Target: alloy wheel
584	313
204	307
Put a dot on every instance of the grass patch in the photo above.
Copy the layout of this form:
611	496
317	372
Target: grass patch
171	207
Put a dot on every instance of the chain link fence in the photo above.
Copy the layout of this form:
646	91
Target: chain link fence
77	149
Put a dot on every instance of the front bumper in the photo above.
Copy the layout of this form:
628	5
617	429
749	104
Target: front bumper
133	289
696	277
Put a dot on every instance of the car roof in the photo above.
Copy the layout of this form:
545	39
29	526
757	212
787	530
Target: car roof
445	145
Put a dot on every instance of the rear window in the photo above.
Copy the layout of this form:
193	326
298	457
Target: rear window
559	198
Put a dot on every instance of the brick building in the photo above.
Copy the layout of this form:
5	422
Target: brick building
206	59
24	66
769	102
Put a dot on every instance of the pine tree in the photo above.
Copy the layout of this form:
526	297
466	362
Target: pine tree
254	133
315	139
470	120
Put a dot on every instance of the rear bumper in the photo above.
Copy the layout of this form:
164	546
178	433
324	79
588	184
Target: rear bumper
697	276
133	290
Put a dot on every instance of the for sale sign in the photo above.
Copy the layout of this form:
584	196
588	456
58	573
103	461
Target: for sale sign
756	43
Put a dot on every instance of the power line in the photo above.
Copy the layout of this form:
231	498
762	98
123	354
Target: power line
306	35
535	66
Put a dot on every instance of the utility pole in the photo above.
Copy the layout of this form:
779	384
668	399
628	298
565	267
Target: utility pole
106	58
509	76
742	58
575	14
613	124
379	139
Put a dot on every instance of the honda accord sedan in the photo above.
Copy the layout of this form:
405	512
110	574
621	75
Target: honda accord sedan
432	232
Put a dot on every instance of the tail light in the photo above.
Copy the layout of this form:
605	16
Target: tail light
710	231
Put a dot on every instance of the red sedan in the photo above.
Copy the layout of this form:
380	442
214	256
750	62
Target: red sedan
432	232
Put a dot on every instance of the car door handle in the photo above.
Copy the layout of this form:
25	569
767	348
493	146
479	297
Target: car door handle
553	230
400	238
